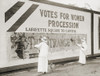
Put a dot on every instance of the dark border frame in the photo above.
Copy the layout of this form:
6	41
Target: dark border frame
99	32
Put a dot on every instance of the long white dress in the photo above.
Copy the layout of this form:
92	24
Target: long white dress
43	57
82	54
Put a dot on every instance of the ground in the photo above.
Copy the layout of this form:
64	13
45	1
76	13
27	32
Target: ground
92	68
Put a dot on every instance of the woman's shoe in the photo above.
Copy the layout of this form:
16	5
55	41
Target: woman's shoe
44	73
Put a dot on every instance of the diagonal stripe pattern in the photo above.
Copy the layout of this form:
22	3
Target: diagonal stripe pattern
23	18
13	10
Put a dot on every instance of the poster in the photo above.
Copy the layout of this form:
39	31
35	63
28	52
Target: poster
31	20
21	45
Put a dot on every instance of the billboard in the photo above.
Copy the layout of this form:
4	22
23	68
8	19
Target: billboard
64	27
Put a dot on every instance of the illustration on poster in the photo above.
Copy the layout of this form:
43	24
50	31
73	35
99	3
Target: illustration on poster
23	43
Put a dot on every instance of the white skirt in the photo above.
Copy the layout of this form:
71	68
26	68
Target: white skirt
42	64
82	57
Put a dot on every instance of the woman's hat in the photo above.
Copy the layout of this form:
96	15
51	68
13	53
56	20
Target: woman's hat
83	39
44	39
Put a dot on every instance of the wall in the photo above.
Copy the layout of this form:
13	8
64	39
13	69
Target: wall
64	27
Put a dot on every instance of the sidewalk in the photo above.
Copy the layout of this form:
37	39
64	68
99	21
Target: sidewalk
92	68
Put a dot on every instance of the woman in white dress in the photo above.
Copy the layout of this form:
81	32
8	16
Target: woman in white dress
43	55
82	53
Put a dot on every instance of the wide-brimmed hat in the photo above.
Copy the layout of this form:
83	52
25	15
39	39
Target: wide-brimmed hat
44	39
83	39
